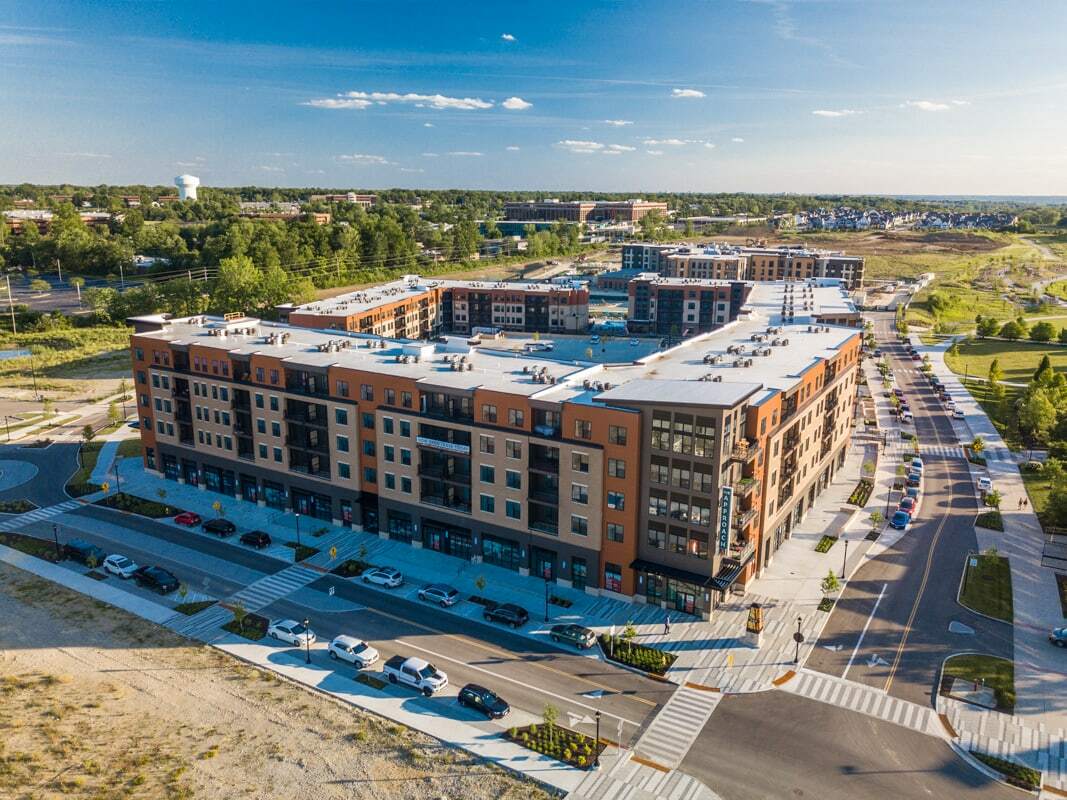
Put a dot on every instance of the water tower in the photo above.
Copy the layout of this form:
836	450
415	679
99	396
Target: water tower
187	186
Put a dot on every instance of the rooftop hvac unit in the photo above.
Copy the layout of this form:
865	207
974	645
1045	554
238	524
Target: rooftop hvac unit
785	342
470	366
717	379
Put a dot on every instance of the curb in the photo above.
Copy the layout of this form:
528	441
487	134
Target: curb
961	604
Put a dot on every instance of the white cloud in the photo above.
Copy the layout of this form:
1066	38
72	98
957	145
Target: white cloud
507	37
667	142
512	148
465	153
961	102
654	152
361	100
516	104
618	123
710	145
737	139
187	163
430	155
580	146
621	148
427	124
84	155
315	171
842	112
411	169
266	168
364	158
689	93
926	105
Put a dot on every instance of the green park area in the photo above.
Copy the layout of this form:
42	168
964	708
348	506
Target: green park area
1018	360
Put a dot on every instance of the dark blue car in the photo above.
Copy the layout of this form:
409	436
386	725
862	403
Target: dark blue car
900	520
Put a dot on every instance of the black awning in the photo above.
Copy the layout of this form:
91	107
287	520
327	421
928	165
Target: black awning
729	569
671	572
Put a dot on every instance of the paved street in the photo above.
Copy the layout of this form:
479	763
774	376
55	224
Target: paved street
777	745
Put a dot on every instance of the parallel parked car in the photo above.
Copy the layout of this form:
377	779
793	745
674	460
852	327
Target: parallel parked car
256	539
416	673
84	553
485	700
985	484
118	564
915	478
188	518
390	577
219	527
156	578
1058	637
958	414
909	505
291	631
440	593
900	520
578	635
353	650
508	614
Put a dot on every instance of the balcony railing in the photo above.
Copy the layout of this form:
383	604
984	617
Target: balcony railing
549	496
303	469
743	518
545	465
443	502
742	551
746	486
745	450
544	526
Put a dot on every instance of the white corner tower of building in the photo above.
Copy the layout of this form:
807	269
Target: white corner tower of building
187	186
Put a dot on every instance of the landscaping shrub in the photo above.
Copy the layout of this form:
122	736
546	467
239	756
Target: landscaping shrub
16	506
352	568
557	742
254	627
648	659
825	543
861	493
138	505
302	550
1015	774
193	608
991	520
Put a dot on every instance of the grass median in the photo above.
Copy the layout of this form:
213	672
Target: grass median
995	673
987	586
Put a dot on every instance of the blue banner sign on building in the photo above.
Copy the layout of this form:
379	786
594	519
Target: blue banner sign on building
726	507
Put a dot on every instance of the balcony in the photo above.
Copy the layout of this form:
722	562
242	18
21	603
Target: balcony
743	551
745	451
545	495
180	392
545	526
451	504
743	518
304	469
445	473
746	486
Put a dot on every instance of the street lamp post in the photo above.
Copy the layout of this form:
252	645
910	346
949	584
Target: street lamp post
844	561
546	598
298	529
798	637
55	535
307	640
118	484
596	745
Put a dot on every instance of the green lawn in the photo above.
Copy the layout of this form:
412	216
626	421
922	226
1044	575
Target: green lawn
129	448
964	302
69	353
998	674
980	392
987	587
79	484
1018	360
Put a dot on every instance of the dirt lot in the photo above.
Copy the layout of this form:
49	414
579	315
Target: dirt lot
95	703
891	242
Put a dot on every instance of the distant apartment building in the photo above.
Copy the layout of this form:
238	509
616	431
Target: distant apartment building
581	210
18	218
412	308
365	200
672	479
680	307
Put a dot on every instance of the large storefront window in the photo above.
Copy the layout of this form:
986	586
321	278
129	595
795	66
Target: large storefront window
312	504
501	552
613	577
401	528
447	539
170	467
579	572
273	495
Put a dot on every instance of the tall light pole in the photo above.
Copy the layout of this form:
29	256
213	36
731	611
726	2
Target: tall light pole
596	745
546	597
307	640
298	529
844	561
55	535
798	637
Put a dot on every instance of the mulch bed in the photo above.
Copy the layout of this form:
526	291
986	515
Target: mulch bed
555	741
16	506
825	543
638	656
862	493
352	568
253	629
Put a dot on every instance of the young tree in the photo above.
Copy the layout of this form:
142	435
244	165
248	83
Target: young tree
114	414
876	519
480	583
629	633
217	506
124	389
830	584
183	591
996	374
993	498
39	286
1054	473
868	467
978	445
240	613
1043	332
49	407
549	715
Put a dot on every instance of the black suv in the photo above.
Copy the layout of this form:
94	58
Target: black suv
219	527
509	614
84	553
156	578
485	700
257	539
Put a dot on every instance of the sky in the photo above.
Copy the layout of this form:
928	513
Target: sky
806	96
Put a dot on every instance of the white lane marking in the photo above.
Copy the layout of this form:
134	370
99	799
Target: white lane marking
863	633
561	698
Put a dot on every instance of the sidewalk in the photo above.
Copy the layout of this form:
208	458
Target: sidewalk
1040	670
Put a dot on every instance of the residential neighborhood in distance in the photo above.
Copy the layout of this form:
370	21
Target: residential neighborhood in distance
600	402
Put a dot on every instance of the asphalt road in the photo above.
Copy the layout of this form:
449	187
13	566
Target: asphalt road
907	636
778	745
528	674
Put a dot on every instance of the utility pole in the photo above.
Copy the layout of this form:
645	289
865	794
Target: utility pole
11	304
122	276
59	266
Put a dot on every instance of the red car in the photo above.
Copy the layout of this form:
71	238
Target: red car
187	518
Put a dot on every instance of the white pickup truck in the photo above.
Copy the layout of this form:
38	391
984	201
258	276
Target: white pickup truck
416	673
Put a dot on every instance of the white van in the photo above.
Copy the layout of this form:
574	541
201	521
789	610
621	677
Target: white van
906	416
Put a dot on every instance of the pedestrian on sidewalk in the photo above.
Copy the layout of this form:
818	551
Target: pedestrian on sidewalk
1026	502
667	625
1020	502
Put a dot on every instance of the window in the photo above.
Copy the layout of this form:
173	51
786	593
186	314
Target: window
613	577
390	397
368	420
657	536
405	456
661	431
579	525
512	448
583	429
405	399
516	417
405	428
259	401
700	512
366	392
679	508
155	380
340	416
487	503
262	451
488	412
677	541
261	424
390	480
486	444
616	500
702	481
405	485
616	468
141	376
370	475
342	388
615	532
387	425
616	434
704	437
274	377
388	453
579	462
368	447
513	479
659	471
698	545
275	429
343	470
278	454
680	474
487	474
138	353
513	510
273	403
579	493
224	393
657	504
260	375
682	440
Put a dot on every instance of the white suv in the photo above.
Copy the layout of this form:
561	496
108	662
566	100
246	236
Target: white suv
985	484
353	650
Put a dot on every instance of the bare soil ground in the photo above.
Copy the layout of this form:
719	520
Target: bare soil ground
95	703
890	242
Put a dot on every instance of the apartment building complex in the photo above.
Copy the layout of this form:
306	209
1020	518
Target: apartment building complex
672	479
581	210
729	262
412	308
682	306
